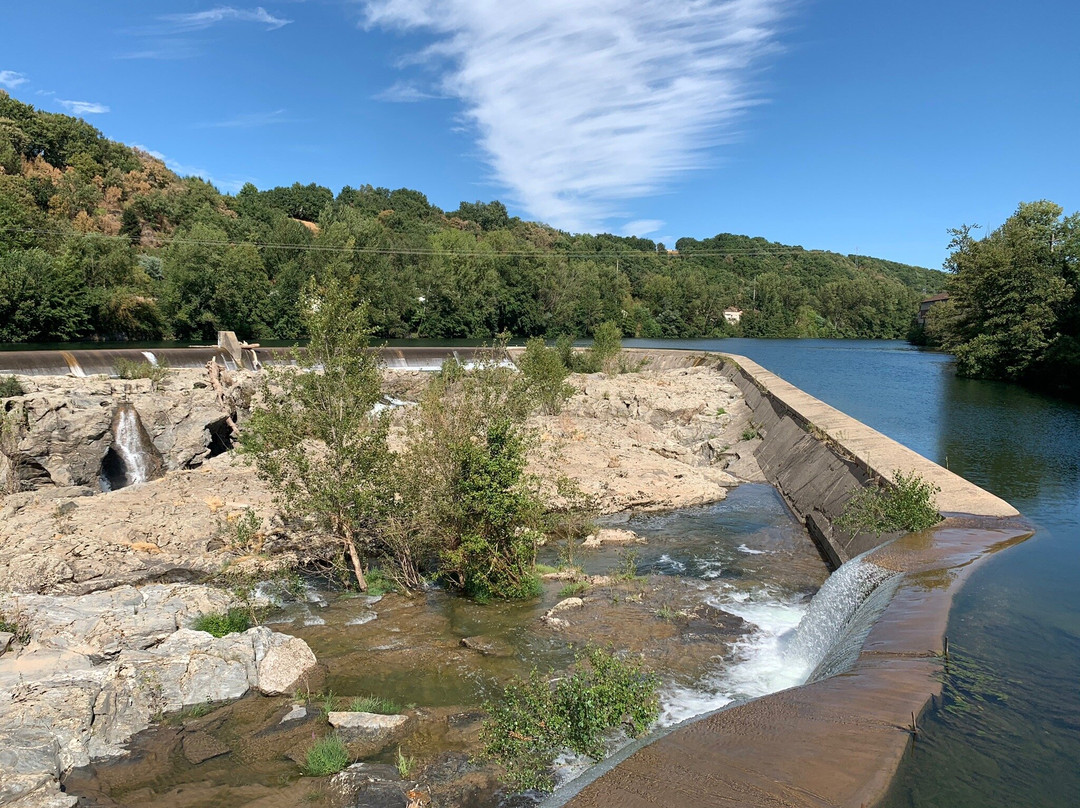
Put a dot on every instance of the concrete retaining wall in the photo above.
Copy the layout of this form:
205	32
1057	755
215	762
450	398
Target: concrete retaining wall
817	457
837	741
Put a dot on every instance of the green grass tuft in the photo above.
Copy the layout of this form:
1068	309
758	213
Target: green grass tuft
328	755
374	704
219	624
573	589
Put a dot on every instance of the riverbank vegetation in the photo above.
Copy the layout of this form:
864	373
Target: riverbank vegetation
452	501
1013	311
538	718
907	504
102	241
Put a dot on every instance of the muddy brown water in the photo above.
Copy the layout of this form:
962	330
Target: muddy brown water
698	568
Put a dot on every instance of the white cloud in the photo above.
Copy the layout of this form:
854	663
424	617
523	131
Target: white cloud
581	104
405	92
82	107
12	79
641	227
199	20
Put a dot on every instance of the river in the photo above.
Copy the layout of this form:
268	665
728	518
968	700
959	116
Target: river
1016	623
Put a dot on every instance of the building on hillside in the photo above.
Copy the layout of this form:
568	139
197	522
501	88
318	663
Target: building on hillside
733	315
925	305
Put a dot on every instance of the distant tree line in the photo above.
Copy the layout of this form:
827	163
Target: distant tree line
101	241
1013	311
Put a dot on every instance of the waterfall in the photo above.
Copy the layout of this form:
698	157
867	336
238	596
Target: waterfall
793	643
132	459
841	614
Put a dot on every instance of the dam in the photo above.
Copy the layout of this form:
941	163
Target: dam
858	720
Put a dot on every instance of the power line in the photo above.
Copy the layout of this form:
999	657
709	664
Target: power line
780	250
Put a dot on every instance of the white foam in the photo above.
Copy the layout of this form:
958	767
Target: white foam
742	548
366	617
666	563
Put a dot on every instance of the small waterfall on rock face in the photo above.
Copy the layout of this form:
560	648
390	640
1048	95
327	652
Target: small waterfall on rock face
133	458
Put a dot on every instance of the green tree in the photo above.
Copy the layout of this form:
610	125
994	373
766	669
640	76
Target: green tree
1012	293
40	301
317	439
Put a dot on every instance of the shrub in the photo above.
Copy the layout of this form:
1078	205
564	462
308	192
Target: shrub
463	503
130	369
378	582
374	704
607	345
219	624
603	355
317	440
10	386
544	374
907	505
537	719
328	755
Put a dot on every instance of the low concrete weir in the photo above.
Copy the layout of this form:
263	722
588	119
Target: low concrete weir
838	740
103	361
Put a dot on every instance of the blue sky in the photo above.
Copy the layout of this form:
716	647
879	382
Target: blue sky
852	126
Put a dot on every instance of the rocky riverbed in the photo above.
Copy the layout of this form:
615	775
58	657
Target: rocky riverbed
100	586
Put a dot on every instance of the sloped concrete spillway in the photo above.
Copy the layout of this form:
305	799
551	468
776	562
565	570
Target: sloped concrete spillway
837	740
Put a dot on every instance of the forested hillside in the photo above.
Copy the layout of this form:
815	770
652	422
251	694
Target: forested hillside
102	241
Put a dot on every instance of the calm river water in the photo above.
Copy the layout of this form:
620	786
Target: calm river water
1017	620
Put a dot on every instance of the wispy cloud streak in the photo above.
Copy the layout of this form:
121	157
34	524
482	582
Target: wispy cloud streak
12	79
198	20
82	107
249	120
579	104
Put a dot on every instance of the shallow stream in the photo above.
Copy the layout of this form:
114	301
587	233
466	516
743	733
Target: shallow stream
719	592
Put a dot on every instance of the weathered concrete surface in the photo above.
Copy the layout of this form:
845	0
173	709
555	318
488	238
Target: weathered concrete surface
818	456
836	742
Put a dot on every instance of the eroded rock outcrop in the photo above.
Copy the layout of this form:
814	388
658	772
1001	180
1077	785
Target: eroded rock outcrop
100	669
65	425
649	441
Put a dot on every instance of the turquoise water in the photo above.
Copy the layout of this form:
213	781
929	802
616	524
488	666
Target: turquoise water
1017	621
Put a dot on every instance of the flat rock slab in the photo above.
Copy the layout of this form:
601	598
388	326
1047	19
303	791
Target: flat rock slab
201	746
370	732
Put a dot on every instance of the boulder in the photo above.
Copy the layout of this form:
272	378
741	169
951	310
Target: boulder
369	733
616	536
282	662
102	624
